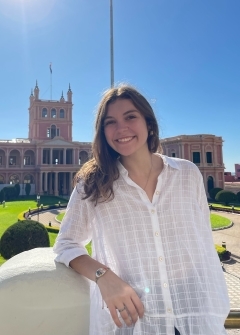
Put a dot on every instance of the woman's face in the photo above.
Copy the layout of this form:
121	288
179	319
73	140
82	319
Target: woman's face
125	128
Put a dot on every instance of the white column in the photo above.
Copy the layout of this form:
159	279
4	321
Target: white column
22	158
45	181
50	183
203	158
64	183
7	159
56	184
40	183
64	156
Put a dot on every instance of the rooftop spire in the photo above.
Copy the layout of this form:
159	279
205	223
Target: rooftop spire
62	97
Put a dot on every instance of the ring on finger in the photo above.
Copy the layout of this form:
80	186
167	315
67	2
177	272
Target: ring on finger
122	309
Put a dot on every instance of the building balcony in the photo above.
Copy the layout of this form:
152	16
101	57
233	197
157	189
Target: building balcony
14	166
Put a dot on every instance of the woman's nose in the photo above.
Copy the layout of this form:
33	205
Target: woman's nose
122	126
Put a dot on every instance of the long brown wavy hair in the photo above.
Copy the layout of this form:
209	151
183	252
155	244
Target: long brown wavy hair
99	173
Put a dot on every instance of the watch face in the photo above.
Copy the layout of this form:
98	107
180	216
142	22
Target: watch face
100	272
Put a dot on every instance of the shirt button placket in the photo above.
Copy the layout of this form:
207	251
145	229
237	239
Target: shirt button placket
166	295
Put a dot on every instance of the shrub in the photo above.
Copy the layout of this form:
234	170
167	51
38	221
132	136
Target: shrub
28	189
223	254
2	195
10	192
226	197
238	196
22	236
214	191
17	190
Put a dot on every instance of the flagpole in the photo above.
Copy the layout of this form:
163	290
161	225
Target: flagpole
50	68
111	44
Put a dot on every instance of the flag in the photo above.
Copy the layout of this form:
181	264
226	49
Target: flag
50	67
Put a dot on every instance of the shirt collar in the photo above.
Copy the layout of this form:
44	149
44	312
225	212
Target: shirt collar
173	162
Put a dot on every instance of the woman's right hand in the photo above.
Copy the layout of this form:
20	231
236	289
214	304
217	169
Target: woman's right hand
118	295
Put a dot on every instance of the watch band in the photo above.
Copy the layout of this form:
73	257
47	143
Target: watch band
100	272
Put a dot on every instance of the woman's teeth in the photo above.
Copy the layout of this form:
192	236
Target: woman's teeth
126	139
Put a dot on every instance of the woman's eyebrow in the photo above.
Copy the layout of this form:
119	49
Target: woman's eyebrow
125	113
130	111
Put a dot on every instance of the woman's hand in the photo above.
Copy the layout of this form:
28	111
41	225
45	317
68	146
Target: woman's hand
120	299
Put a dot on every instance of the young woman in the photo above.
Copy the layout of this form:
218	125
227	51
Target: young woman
154	269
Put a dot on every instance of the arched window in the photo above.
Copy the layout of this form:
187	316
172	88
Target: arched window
14	179
53	113
1	179
83	157
210	183
53	131
28	179
44	112
61	114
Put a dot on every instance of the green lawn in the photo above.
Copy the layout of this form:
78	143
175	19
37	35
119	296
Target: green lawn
9	213
60	216
218	221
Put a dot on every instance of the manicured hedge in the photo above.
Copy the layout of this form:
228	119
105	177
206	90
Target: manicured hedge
214	191
22	236
226	197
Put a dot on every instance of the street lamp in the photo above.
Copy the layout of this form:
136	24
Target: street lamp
38	204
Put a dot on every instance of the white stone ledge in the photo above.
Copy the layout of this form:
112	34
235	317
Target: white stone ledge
41	297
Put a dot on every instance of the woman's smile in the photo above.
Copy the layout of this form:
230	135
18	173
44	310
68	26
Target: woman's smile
125	139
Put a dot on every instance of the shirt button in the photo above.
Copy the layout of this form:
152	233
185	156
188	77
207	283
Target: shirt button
165	284
156	233
160	258
169	310
157	193
152	211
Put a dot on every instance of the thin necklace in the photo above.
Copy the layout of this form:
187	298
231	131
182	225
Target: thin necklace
148	175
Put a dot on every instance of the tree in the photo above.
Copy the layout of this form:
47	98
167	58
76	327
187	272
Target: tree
214	191
238	196
226	197
17	190
28	189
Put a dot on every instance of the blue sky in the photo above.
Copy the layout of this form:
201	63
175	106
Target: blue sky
183	55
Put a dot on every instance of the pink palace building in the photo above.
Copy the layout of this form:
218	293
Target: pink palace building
48	159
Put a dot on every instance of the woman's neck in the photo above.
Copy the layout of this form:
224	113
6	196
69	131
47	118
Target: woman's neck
138	165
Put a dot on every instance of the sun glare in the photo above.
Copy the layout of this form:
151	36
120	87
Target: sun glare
29	11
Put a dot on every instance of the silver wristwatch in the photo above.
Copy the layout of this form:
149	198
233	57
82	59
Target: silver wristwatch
100	272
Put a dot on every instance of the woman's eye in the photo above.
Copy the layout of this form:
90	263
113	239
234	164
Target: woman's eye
131	117
108	123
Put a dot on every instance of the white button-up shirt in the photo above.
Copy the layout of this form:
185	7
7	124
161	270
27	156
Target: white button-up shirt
163	249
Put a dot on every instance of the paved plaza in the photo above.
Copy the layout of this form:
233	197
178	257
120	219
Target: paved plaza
231	236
